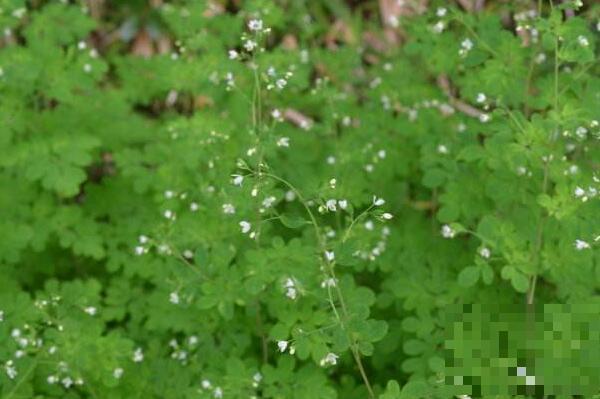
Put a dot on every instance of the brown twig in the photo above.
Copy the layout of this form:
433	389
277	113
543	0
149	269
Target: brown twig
467	109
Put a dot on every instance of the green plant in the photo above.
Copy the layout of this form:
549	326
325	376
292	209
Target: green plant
208	219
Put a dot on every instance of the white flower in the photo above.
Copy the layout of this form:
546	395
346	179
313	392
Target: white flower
169	214
583	41
67	382
381	154
331	205
205	384
52	379
255	25
331	160
481	98
282	346
330	282
276	114
330	256
138	355
467	44
369	225
343	204
143	239
237	180
118	373
291	293
174	298
90	310
580	245
250	45
194	206
329	359
188	254
485	252
290	196
332	183
81	45
257	377
11	371
387	216
139	250
245	226
579	192
169	194
228	209
218	393
1	315
442	149
440	12
233	54
280	83
283	142
438	27
484	118
87	68
378	201
15	333
447	231
269	201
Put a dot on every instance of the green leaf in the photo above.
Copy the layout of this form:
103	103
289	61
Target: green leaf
469	276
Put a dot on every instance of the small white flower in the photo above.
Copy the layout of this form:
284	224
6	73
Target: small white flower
52	379
540	58
343	204
194	206
143	239
1	315
439	27
369	225
169	194
19	354
381	154
580	245
387	216
138	355
331	160
233	55
245	226
485	252
583	41
283	142
330	256
481	98
15	333
206	384
330	282
369	168
87	68
484	118
447	231
257	377
10	370
332	183
276	114
90	310
466	44
81	45
237	180
291	293
255	25
118	373
188	254
169	214
282	346
269	201
139	250
250	45
280	83
228	209
290	196
329	359
331	205
378	201
218	393
174	298
67	382
579	192
440	12
442	149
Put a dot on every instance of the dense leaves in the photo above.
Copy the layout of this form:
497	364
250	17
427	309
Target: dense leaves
278	199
